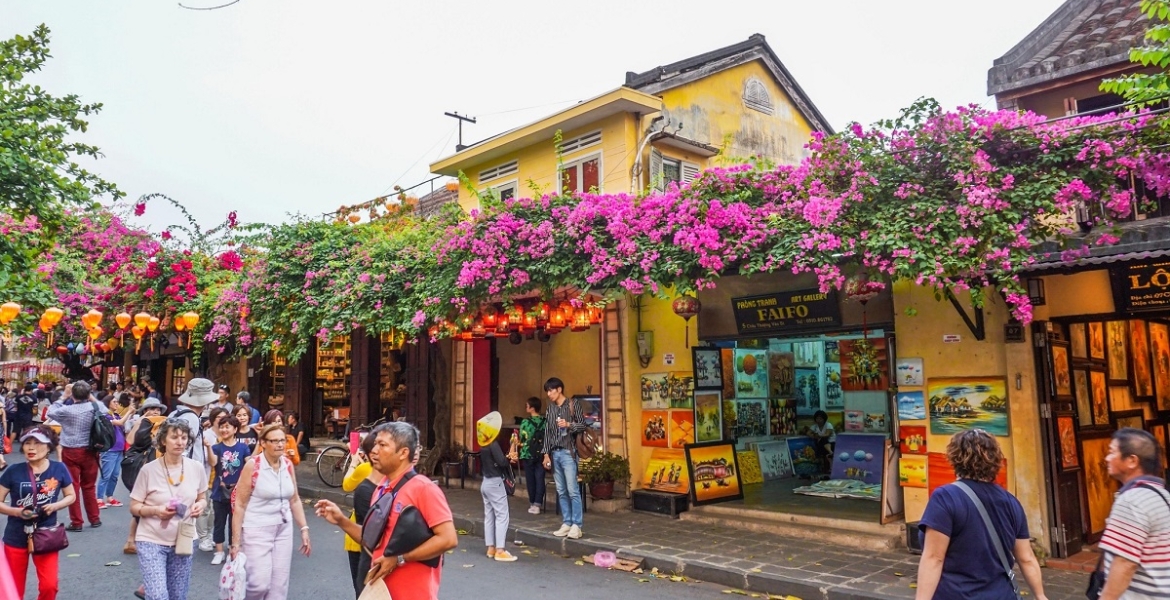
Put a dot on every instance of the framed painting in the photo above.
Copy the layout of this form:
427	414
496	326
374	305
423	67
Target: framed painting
912	471
667	472
854	420
1116	352
1078	342
751	373
807	354
1121	399
804	456
1160	357
1129	418
751	418
864	365
939	472
1084	398
682	428
782	416
1139	359
1061	372
714	473
1096	341
1160	431
859	456
808	391
1099	486
1100	395
781	374
913	439
727	362
960	403
1066	430
708	364
834	398
708	416
654	391
911	405
775	462
680	389
909	371
654	429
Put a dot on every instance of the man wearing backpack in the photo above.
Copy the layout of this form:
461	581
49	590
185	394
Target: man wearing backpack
76	416
564	420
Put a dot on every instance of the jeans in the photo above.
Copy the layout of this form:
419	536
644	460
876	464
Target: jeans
83	468
495	511
564	466
111	469
46	565
534	480
165	575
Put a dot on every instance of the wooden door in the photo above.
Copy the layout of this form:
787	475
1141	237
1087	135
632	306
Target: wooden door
1058	430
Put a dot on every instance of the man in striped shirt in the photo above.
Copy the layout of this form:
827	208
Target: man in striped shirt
563	420
1136	541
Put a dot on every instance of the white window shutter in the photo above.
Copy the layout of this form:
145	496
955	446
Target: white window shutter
656	169
689	172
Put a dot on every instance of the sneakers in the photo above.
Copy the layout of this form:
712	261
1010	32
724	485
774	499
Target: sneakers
217	559
206	546
73	528
491	552
534	509
114	503
505	556
101	503
574	533
563	531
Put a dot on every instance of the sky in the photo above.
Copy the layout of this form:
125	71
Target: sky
279	107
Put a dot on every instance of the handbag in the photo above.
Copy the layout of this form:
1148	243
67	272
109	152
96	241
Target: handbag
510	481
45	540
586	442
995	541
184	544
1097	578
410	531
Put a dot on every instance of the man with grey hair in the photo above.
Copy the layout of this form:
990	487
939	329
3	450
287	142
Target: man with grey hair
413	573
1137	531
75	413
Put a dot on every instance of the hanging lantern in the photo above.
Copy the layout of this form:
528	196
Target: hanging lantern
113	343
48	321
595	315
54	315
515	317
180	323
686	306
502	327
558	317
580	320
542	310
490	317
191	319
153	323
141	320
8	312
137	332
528	323
122	319
859	288
44	325
478	331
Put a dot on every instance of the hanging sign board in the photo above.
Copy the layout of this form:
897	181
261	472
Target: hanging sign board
786	311
1142	286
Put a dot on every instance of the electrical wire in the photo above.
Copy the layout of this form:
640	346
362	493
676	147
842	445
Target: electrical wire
438	144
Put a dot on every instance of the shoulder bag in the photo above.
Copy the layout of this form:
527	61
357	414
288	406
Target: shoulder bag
44	540
374	527
586	441
995	541
1097	578
101	431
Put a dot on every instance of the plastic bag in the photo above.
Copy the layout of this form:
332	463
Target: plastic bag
233	579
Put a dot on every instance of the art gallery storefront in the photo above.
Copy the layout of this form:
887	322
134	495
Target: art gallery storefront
1106	365
774	351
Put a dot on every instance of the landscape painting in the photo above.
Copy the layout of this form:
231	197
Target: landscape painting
654	392
911	405
751	373
775	462
667	472
708	416
804	457
912	471
714	473
909	371
961	403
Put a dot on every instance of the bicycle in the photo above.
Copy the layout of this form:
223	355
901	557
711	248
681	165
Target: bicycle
334	460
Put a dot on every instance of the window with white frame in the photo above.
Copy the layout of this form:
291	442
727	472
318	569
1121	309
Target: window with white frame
665	170
508	168
582	175
505	191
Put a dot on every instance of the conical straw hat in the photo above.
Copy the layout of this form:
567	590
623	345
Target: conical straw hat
487	429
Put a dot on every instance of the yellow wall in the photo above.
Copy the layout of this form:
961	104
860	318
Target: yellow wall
1087	293
921	335
712	111
538	162
573	356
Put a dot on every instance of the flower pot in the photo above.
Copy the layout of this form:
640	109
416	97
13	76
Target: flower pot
454	470
601	490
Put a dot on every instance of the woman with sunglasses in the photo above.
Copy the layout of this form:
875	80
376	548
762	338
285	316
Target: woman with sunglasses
267	507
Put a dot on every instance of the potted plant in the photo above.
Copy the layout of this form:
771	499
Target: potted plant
451	460
601	471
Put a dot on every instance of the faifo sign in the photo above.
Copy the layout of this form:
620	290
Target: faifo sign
786	311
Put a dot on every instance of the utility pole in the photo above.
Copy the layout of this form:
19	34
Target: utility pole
460	147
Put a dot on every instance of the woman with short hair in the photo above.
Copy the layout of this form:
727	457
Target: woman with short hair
959	558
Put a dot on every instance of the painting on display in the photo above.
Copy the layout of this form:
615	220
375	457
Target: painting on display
864	365
859	456
654	392
1120	399
875	423
729	419
832	352
1061	373
1078	343
913	439
854	420
727	362
714	473
654	429
807	354
749	467
909	371
804	457
1160	433
1160	353
751	373
667	472
1099	486
808	391
1116	354
1100	397
782	416
708	368
1084	398
961	403
1131	418
682	428
708	416
681	389
912	471
775	462
1068	442
1097	341
1139	356
911	405
939	472
781	374
834	398
751	418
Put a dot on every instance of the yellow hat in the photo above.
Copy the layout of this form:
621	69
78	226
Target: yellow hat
487	429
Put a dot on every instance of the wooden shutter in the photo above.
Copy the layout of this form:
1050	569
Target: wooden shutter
656	169
688	172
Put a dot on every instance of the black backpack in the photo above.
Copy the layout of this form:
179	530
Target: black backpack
101	431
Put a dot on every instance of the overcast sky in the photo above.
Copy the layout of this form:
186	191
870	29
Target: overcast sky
271	107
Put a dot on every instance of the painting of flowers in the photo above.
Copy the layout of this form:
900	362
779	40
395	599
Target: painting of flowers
864	365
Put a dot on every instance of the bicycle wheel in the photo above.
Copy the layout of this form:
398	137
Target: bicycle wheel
332	464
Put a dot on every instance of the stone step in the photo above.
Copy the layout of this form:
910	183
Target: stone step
841	532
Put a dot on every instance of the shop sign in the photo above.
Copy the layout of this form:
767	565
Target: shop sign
952	338
1143	286
786	311
1013	333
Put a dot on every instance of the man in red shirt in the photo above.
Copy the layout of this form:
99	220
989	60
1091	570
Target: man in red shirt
405	575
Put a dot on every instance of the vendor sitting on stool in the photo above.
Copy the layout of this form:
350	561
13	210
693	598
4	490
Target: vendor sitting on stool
824	438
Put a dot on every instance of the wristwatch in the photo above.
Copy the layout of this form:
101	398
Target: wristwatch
401	560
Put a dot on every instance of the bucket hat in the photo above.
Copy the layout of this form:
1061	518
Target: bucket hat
152	403
200	392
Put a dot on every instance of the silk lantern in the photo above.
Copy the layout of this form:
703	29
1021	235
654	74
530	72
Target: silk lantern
686	306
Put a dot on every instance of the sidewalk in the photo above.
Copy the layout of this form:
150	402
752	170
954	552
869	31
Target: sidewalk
757	562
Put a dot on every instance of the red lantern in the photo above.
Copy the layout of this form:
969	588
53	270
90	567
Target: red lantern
595	315
490	317
558	317
580	320
686	306
528	324
515	317
502	327
542	311
478	331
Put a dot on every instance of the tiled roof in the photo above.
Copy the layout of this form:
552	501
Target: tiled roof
1081	36
430	204
1139	240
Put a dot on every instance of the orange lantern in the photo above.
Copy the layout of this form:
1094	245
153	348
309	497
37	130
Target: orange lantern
113	343
138	332
515	317
53	315
95	333
490	317
528	323
558	318
180	323
122	319
502	327
8	312
191	319
595	315
153	323
542	311
141	320
580	320
478	331
44	325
